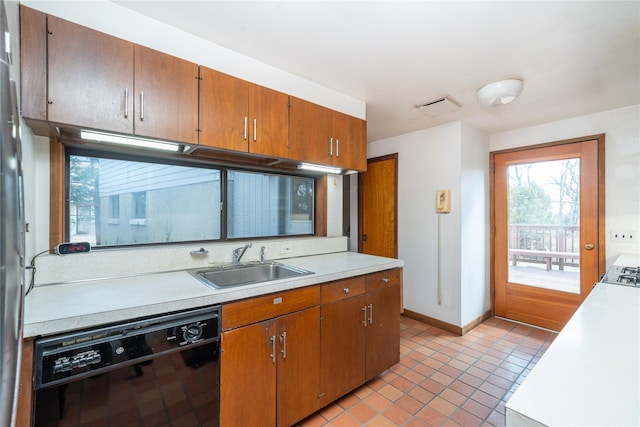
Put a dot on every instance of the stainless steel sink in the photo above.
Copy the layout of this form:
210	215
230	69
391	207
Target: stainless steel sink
246	274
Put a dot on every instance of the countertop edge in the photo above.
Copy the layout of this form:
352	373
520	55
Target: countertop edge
199	294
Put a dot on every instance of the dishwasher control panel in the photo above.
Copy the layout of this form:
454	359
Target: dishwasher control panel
90	352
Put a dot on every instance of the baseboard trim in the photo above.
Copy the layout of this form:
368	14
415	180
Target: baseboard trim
457	330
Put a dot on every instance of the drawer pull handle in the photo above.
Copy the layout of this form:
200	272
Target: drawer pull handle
142	106
386	280
126	102
277	300
273	348
346	290
245	127
255	130
284	345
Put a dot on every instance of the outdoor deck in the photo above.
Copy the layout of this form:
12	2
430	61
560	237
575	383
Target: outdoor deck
567	280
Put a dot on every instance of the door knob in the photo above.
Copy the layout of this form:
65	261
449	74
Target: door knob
589	246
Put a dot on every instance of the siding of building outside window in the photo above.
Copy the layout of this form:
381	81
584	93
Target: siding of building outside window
140	202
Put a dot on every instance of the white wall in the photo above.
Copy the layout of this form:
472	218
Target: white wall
334	205
475	243
454	157
622	163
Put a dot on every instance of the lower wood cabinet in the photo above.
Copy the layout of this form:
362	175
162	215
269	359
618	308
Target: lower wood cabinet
360	331
270	370
288	354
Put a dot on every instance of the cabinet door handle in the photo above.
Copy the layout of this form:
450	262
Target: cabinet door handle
246	124
284	345
371	314
331	146
126	102
337	147
141	105
385	280
255	130
364	316
273	348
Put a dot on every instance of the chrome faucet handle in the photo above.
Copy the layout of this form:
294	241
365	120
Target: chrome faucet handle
239	252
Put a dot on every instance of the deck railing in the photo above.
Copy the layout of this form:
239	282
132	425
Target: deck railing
545	244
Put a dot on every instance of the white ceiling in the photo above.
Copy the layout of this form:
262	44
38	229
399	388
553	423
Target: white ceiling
575	57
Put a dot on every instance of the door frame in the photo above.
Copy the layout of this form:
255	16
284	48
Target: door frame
393	157
600	138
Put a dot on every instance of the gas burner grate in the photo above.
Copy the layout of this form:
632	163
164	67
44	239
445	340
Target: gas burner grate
630	270
629	278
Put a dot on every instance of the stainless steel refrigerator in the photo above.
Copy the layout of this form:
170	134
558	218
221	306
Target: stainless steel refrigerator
11	234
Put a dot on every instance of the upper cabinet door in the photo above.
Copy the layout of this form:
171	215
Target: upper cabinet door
309	132
90	78
224	115
324	136
166	96
269	122
242	116
350	142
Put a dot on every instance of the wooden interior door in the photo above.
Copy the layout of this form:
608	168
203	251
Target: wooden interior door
540	279
378	207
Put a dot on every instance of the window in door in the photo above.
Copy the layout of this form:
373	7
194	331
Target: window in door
544	224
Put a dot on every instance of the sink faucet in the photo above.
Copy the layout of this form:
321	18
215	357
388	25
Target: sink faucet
239	252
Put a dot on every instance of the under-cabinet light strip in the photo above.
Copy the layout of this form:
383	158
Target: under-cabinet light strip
132	142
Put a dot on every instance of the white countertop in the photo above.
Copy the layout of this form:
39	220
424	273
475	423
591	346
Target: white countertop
56	308
590	375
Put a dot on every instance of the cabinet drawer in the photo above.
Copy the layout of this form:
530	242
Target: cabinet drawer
342	289
383	279
254	310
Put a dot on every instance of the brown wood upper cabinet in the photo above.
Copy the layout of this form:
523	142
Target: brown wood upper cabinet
97	81
242	116
320	135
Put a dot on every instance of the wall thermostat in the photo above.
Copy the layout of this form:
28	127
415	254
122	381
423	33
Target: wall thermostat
72	248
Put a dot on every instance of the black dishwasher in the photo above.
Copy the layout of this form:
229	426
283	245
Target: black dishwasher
157	371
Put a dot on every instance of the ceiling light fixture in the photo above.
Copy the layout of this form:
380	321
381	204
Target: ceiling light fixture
318	168
129	141
499	93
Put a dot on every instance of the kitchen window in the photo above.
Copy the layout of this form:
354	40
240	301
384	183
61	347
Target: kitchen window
150	201
262	204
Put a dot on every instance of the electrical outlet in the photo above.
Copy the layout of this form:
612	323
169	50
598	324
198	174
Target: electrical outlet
626	236
286	248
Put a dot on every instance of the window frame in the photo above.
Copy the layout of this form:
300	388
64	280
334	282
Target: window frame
59	178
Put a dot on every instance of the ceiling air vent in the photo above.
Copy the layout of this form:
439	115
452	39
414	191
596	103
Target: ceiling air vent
439	106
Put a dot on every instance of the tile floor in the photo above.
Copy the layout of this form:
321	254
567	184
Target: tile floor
443	379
